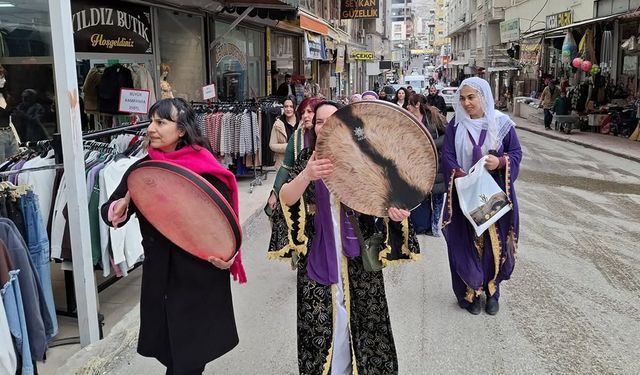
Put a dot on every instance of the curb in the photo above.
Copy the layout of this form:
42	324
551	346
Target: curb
548	134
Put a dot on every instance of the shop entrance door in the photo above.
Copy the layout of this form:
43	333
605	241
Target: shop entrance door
90	66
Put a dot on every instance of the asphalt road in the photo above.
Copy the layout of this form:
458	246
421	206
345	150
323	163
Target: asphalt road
572	306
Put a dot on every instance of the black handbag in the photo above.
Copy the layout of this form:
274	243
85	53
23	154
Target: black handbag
369	247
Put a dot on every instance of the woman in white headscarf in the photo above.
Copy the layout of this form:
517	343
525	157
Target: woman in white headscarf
479	264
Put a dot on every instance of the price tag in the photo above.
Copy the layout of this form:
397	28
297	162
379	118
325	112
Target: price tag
209	91
134	101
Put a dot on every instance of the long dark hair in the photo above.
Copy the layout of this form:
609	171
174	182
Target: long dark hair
406	97
179	111
283	118
428	111
312	136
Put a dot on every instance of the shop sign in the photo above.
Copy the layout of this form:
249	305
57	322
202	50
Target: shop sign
559	20
231	50
509	30
134	101
362	55
314	47
350	9
529	53
209	91
111	27
340	59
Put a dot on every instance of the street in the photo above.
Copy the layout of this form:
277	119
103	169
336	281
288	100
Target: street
572	306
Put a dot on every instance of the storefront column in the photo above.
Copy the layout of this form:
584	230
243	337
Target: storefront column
68	105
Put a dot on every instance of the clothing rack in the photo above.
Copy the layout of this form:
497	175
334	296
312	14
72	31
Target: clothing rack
34	169
240	105
89	139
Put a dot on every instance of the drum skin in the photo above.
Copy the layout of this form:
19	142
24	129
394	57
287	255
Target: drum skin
382	157
186	209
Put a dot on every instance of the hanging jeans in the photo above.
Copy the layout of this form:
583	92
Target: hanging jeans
38	244
16	317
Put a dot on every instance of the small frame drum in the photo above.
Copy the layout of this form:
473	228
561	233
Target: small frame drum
186	209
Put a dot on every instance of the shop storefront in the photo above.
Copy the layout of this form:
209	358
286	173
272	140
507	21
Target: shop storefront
63	65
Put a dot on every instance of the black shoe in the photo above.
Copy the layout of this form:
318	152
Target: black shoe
492	306
547	128
474	307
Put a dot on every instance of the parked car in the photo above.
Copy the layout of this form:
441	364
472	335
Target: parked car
449	94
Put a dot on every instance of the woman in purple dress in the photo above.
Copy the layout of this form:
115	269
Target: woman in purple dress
479	264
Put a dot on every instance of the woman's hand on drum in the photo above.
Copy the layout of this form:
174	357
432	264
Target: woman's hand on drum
398	214
317	168
223	265
492	162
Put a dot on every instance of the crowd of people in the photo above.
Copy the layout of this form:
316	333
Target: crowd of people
343	322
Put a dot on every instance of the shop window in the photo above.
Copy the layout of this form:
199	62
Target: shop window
239	68
604	7
181	46
27	98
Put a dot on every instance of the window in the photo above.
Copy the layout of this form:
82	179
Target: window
27	63
182	48
238	63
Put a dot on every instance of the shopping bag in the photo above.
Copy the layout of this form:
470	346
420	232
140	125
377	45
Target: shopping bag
481	199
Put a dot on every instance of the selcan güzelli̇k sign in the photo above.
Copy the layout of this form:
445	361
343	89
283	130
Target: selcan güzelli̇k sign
111	27
359	9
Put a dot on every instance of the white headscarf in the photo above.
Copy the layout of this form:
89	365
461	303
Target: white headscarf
497	123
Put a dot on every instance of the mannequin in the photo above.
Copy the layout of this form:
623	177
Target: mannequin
8	137
165	86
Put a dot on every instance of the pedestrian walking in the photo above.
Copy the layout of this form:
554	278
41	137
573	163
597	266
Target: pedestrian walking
186	309
402	97
369	95
342	314
547	100
479	264
282	129
426	217
435	99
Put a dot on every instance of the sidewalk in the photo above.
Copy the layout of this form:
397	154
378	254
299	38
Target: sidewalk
122	337
618	146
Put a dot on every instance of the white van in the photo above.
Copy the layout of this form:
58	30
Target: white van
418	82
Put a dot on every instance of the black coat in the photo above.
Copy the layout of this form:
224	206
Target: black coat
284	91
438	102
186	310
438	138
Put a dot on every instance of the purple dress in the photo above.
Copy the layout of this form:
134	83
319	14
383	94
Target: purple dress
472	259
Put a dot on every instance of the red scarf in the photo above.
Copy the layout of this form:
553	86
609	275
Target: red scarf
201	161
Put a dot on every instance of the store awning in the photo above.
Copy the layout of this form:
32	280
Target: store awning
458	62
311	23
556	32
272	14
271	9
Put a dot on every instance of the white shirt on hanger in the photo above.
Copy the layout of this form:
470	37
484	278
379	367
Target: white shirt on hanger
126	241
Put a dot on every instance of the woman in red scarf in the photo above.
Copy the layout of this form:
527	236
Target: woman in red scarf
186	310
